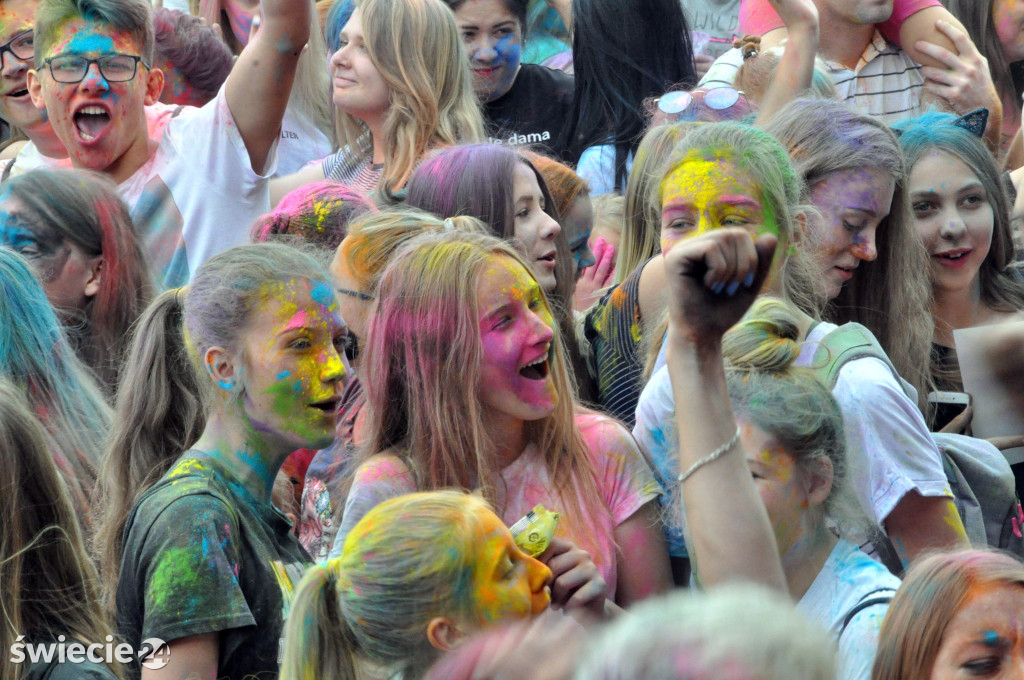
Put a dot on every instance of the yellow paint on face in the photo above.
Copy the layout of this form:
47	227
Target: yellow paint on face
709	191
507	583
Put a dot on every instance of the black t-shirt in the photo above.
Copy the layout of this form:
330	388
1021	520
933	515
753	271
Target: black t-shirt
534	111
202	555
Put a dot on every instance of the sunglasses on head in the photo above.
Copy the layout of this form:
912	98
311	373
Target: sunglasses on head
718	99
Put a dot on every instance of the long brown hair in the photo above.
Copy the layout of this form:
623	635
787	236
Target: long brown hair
83	208
49	585
425	354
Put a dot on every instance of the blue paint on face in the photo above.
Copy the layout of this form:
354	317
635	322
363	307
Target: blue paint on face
283	374
322	293
90	44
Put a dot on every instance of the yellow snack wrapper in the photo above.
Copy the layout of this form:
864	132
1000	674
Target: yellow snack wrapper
534	531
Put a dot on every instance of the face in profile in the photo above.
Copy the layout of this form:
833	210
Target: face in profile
535	230
493	39
852	204
953	217
517	334
507	583
985	638
69	276
709	191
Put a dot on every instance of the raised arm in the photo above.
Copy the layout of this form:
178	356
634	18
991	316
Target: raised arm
260	83
730	535
796	67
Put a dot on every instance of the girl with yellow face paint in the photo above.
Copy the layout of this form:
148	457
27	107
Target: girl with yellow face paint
726	186
418	573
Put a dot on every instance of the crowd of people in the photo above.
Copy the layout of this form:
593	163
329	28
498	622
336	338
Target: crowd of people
549	339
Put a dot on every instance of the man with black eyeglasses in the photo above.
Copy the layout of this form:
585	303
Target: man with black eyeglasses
195	186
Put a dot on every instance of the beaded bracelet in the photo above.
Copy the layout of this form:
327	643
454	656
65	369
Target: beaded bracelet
717	453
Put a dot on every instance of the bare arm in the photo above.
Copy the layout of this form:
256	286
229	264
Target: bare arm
796	67
731	537
282	186
921	523
643	559
191	658
260	83
921	26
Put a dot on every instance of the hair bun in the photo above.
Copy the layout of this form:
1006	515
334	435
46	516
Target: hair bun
749	45
766	340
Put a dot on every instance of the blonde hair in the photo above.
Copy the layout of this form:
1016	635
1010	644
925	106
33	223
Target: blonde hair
416	47
374	238
425	353
641	227
408	560
791	403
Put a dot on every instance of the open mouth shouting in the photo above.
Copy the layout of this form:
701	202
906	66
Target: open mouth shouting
538	369
91	122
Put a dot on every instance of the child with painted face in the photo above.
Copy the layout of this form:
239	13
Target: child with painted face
522	103
402	88
467	387
957	615
725	175
78	235
195	185
206	562
50	588
961	213
505	190
57	386
417	575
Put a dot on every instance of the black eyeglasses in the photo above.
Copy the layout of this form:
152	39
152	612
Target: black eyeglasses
22	46
115	68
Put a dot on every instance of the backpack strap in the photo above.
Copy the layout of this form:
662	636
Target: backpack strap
845	344
864	603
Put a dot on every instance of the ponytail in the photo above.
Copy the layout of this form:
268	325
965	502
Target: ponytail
159	413
319	645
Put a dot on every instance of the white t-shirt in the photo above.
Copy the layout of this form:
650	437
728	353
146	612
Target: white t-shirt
848	577
889	449
198	194
597	167
301	142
